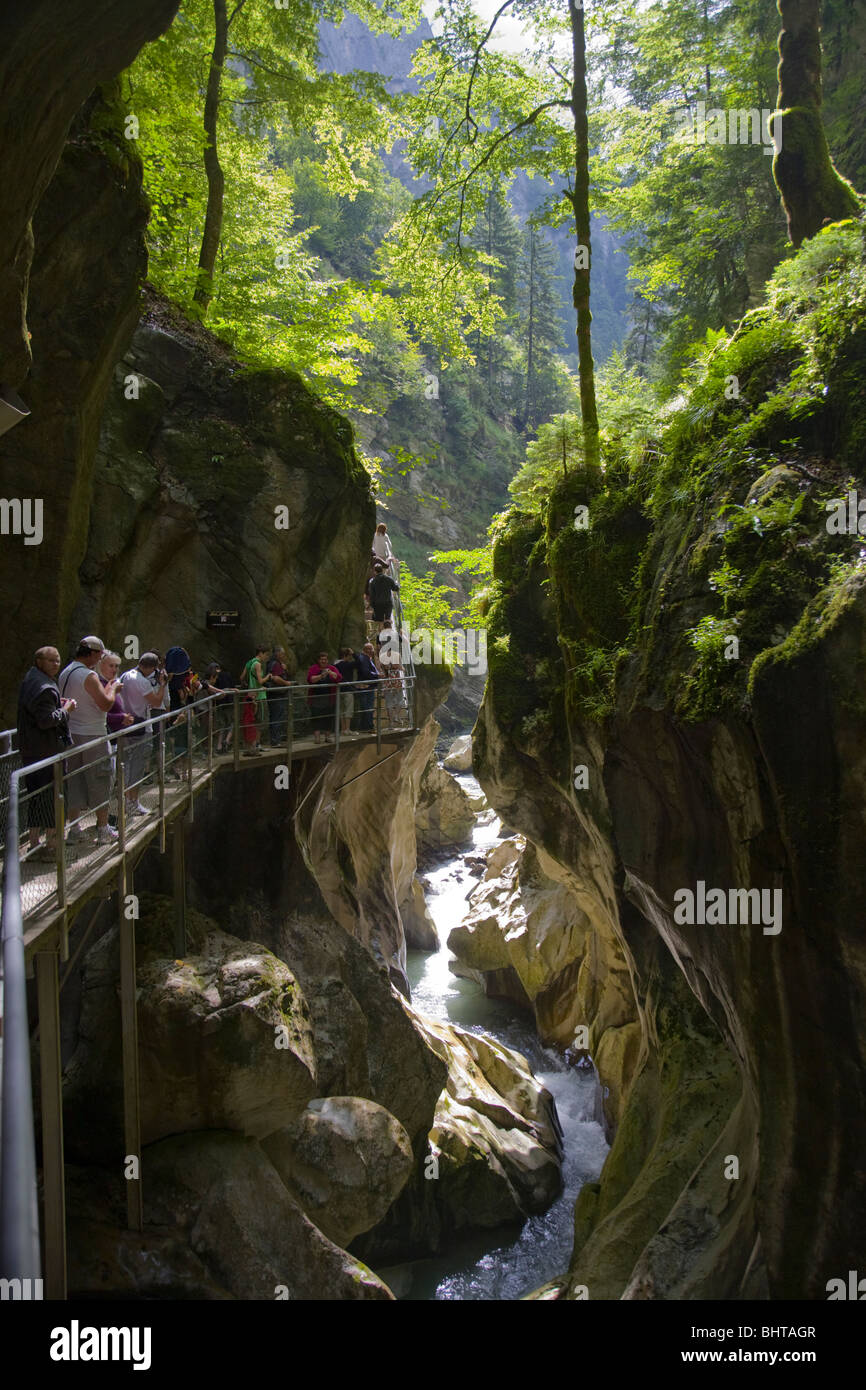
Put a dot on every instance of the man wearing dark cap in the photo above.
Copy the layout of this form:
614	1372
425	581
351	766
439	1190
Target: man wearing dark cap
380	587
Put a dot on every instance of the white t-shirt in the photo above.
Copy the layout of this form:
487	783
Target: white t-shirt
382	547
134	686
87	720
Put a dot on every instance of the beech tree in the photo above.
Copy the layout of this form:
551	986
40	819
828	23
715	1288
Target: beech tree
514	113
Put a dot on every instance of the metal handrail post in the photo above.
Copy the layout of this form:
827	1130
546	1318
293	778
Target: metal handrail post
236	726
60	833
19	1213
121	802
290	725
160	773
337	719
378	698
189	732
210	718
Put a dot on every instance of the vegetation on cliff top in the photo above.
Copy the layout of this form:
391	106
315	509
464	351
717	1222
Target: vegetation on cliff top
710	525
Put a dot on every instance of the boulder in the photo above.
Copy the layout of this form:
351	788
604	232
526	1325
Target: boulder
443	813
365	1043
494	1148
244	1226
344	1160
459	756
420	929
225	1040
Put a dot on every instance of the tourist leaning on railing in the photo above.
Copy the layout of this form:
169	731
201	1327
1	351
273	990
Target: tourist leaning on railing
325	678
348	669
278	696
43	731
254	678
141	698
90	771
367	671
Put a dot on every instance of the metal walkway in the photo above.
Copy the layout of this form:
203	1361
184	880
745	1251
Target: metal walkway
41	899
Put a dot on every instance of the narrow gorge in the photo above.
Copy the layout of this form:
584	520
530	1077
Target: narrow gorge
570	1007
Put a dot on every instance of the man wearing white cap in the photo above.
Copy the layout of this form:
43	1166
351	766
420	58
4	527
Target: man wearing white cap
91	783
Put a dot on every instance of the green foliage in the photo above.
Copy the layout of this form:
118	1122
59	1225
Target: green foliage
426	604
477	566
628	418
709	521
704	222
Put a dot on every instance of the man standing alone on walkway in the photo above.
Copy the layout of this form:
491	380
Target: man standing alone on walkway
90	772
380	588
42	732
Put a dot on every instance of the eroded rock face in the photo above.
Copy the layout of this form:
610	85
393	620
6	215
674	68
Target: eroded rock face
357	832
527	938
243	1224
459	756
89	262
52	56
737	1041
189	478
494	1148
344	1160
444	815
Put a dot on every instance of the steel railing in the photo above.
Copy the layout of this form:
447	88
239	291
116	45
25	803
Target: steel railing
204	735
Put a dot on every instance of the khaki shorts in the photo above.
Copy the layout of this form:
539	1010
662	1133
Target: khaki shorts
89	774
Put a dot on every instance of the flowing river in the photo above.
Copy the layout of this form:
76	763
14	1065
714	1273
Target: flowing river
509	1262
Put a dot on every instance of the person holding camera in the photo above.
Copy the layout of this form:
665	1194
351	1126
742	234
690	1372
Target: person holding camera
89	771
43	730
143	691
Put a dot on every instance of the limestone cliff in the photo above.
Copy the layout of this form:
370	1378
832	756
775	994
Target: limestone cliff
640	752
190	480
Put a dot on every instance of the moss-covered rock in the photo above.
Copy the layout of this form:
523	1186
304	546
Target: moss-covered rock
708	726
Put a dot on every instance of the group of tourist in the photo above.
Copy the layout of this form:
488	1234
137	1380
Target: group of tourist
90	699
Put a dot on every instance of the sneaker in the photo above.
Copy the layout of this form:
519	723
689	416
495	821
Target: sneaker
45	854
75	836
136	809
106	835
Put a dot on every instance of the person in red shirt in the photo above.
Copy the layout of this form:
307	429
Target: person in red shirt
323	679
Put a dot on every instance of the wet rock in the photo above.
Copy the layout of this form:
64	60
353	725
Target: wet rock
526	937
420	929
344	1160
444	817
494	1148
459	758
243	1224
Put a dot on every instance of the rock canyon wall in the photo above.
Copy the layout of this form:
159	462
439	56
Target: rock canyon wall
636	760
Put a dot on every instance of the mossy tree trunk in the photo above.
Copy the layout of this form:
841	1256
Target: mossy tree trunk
580	202
811	189
216	182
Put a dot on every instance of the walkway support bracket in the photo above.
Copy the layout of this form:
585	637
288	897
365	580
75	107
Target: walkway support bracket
51	1074
178	887
129	1036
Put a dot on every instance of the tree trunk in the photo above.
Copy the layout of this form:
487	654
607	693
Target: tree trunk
530	344
580	201
812	192
213	222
